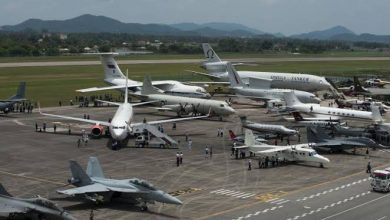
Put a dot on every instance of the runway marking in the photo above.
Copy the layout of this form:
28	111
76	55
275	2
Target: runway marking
19	122
331	206
259	212
21	175
287	193
232	193
358	206
332	190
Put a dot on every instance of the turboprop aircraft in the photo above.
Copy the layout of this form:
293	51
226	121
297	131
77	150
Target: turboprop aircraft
293	153
32	208
116	79
8	104
262	90
182	105
294	104
122	123
94	186
216	70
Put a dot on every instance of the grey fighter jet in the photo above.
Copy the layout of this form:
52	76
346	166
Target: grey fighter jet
93	186
32	208
319	138
8	104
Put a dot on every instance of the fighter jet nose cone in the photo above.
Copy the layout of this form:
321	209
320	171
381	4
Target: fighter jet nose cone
171	199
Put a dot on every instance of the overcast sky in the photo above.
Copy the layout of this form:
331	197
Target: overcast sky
285	16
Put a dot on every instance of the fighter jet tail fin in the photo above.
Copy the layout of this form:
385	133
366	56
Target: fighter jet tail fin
209	53
249	138
358	86
94	169
234	78
79	177
147	87
291	99
20	93
316	134
3	191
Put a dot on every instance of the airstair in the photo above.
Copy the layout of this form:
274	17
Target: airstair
154	133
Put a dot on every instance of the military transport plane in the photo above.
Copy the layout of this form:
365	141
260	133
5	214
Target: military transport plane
8	104
182	105
280	130
216	69
94	186
331	113
116	79
32	208
263	90
121	124
293	153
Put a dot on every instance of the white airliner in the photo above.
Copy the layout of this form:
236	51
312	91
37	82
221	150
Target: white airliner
114	77
263	90
216	69
121	124
298	119
182	105
293	153
294	104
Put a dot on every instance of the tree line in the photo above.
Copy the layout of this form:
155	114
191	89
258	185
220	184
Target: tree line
31	43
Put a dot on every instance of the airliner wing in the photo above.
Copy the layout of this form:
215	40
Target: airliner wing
133	104
205	74
76	119
95	89
170	120
261	83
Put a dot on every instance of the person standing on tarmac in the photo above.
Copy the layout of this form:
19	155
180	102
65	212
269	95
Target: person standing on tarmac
368	167
249	164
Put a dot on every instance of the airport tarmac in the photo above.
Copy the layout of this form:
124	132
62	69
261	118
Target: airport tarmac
36	163
175	61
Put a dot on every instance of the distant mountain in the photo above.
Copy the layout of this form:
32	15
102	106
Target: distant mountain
362	38
324	34
97	24
220	26
93	24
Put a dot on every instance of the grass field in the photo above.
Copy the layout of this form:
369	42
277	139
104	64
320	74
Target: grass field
48	85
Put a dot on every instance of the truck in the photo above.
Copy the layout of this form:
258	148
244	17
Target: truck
380	180
145	141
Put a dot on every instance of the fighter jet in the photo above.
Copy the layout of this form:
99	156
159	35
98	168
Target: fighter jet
32	208
116	79
182	105
94	186
260	89
279	130
121	125
293	153
7	105
216	69
322	140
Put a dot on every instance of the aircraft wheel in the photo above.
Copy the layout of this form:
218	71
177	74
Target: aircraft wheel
144	208
321	165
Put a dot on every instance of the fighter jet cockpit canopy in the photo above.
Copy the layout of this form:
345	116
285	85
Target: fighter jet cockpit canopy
142	183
